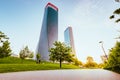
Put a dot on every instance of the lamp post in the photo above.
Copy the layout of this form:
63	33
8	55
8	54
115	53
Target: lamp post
103	49
117	0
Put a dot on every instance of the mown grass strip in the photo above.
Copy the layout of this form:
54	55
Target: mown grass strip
31	67
15	60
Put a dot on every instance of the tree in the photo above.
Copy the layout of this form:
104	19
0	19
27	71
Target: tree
116	12
90	63
38	57
31	55
114	58
3	37
26	53
101	65
60	52
5	49
90	59
77	62
52	56
70	58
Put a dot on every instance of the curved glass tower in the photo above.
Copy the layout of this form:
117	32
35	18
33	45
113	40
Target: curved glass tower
49	31
69	40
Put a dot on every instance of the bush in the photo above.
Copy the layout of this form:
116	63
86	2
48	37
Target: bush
113	62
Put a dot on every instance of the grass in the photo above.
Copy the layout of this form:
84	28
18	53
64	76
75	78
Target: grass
15	60
11	64
32	67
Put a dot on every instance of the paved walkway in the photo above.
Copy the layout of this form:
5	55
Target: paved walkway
84	74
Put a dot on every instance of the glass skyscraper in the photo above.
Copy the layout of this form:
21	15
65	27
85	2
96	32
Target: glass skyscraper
69	40
49	31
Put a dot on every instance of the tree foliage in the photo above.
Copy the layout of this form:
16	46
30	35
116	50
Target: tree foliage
70	58
38	56
114	58
3	37
90	63
52	55
77	62
101	65
26	53
60	53
31	55
90	59
116	12
5	49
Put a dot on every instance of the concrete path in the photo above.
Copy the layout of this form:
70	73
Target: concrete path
84	74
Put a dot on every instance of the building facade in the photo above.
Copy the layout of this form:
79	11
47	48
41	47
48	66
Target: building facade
69	40
49	31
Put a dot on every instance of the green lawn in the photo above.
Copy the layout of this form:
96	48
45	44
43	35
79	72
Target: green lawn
32	67
11	64
15	60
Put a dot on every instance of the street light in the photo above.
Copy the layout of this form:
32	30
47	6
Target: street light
103	49
117	0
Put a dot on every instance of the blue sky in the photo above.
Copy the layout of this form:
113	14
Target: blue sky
21	20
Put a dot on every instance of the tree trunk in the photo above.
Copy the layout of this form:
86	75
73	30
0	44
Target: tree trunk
60	63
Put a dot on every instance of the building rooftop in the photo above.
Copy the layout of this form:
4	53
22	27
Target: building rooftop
52	6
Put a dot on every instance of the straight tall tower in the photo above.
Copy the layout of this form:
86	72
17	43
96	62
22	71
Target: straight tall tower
49	31
69	40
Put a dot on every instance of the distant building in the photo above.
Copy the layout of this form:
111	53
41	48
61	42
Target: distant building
104	58
49	31
69	40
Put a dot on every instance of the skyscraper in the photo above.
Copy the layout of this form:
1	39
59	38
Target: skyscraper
49	31
69	40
